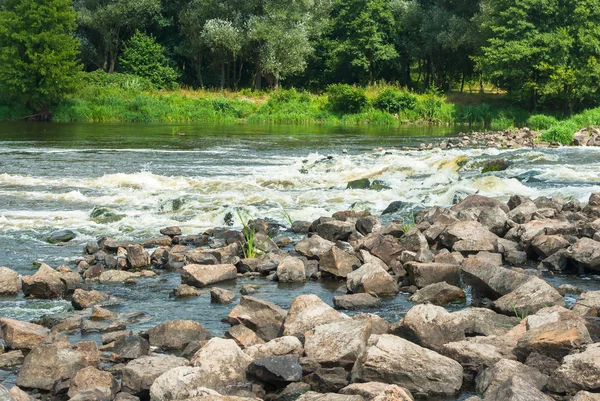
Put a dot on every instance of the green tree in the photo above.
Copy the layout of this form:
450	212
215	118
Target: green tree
225	42
38	53
107	24
143	57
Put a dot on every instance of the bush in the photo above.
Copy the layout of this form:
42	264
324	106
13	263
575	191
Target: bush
394	101
541	122
347	99
130	82
562	132
144	57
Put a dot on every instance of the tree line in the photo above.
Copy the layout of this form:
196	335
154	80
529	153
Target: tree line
543	52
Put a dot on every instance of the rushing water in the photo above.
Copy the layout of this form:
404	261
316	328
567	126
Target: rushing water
53	176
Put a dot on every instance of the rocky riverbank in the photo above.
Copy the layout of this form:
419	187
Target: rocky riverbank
514	338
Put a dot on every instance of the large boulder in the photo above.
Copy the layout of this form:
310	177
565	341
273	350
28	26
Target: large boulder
262	317
490	281
90	378
335	230
49	362
390	359
474	353
372	279
180	383
533	295
221	364
243	336
131	346
286	345
478	202
137	257
588	304
554	339
439	294
291	270
203	275
221	296
495	375
379	391
313	247
338	343
177	334
139	374
46	283
516	389
547	245
586	253
306	312
586	396
338	262
85	299
10	282
424	274
385	247
578	372
21	335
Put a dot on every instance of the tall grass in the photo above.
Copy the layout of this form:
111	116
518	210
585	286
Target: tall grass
564	131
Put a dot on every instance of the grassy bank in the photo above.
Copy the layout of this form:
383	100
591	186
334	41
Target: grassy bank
563	131
125	98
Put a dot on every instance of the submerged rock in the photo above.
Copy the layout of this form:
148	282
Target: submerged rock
61	236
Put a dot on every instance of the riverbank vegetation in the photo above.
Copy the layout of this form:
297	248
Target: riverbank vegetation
351	61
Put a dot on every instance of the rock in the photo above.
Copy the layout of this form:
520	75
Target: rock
314	246
586	396
184	291
248	289
393	360
495	375
588	304
90	378
177	334
221	364
260	316
203	275
361	183
115	277
523	213
18	395
301	227
171	231
130	347
180	383
555	339
439	294
586	253
276	369
84	299
533	295
286	345
516	389
99	313
291	270
21	335
89	350
385	247
306	312
91	326
243	336
137	257
325	380
368	224
338	263
292	391
379	391
314	396
478	202
547	245
10	282
46	283
335	230
12	359
61	236
578	372
372	279
424	274
356	301
115	335
469	236
126	397
49	362
221	296
489	281
93	272
5	395
492	165
338	343
139	374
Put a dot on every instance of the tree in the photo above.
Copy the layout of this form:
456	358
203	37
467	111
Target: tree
107	24
143	57
225	42
38	53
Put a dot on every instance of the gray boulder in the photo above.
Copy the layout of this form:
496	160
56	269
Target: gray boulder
262	317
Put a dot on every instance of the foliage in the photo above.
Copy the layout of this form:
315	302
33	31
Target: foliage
562	132
347	99
38	54
145	58
99	78
394	101
541	122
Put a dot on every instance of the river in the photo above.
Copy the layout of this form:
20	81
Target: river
52	176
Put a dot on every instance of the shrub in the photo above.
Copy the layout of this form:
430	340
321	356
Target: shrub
102	79
501	123
144	57
394	101
347	99
562	132
541	122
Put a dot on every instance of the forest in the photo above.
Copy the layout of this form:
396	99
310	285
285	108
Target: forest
543	54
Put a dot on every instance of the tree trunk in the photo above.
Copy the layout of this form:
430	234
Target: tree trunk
462	83
258	78
199	72
222	75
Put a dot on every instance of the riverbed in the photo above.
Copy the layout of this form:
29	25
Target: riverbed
52	177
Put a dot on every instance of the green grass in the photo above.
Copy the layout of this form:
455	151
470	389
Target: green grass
564	131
